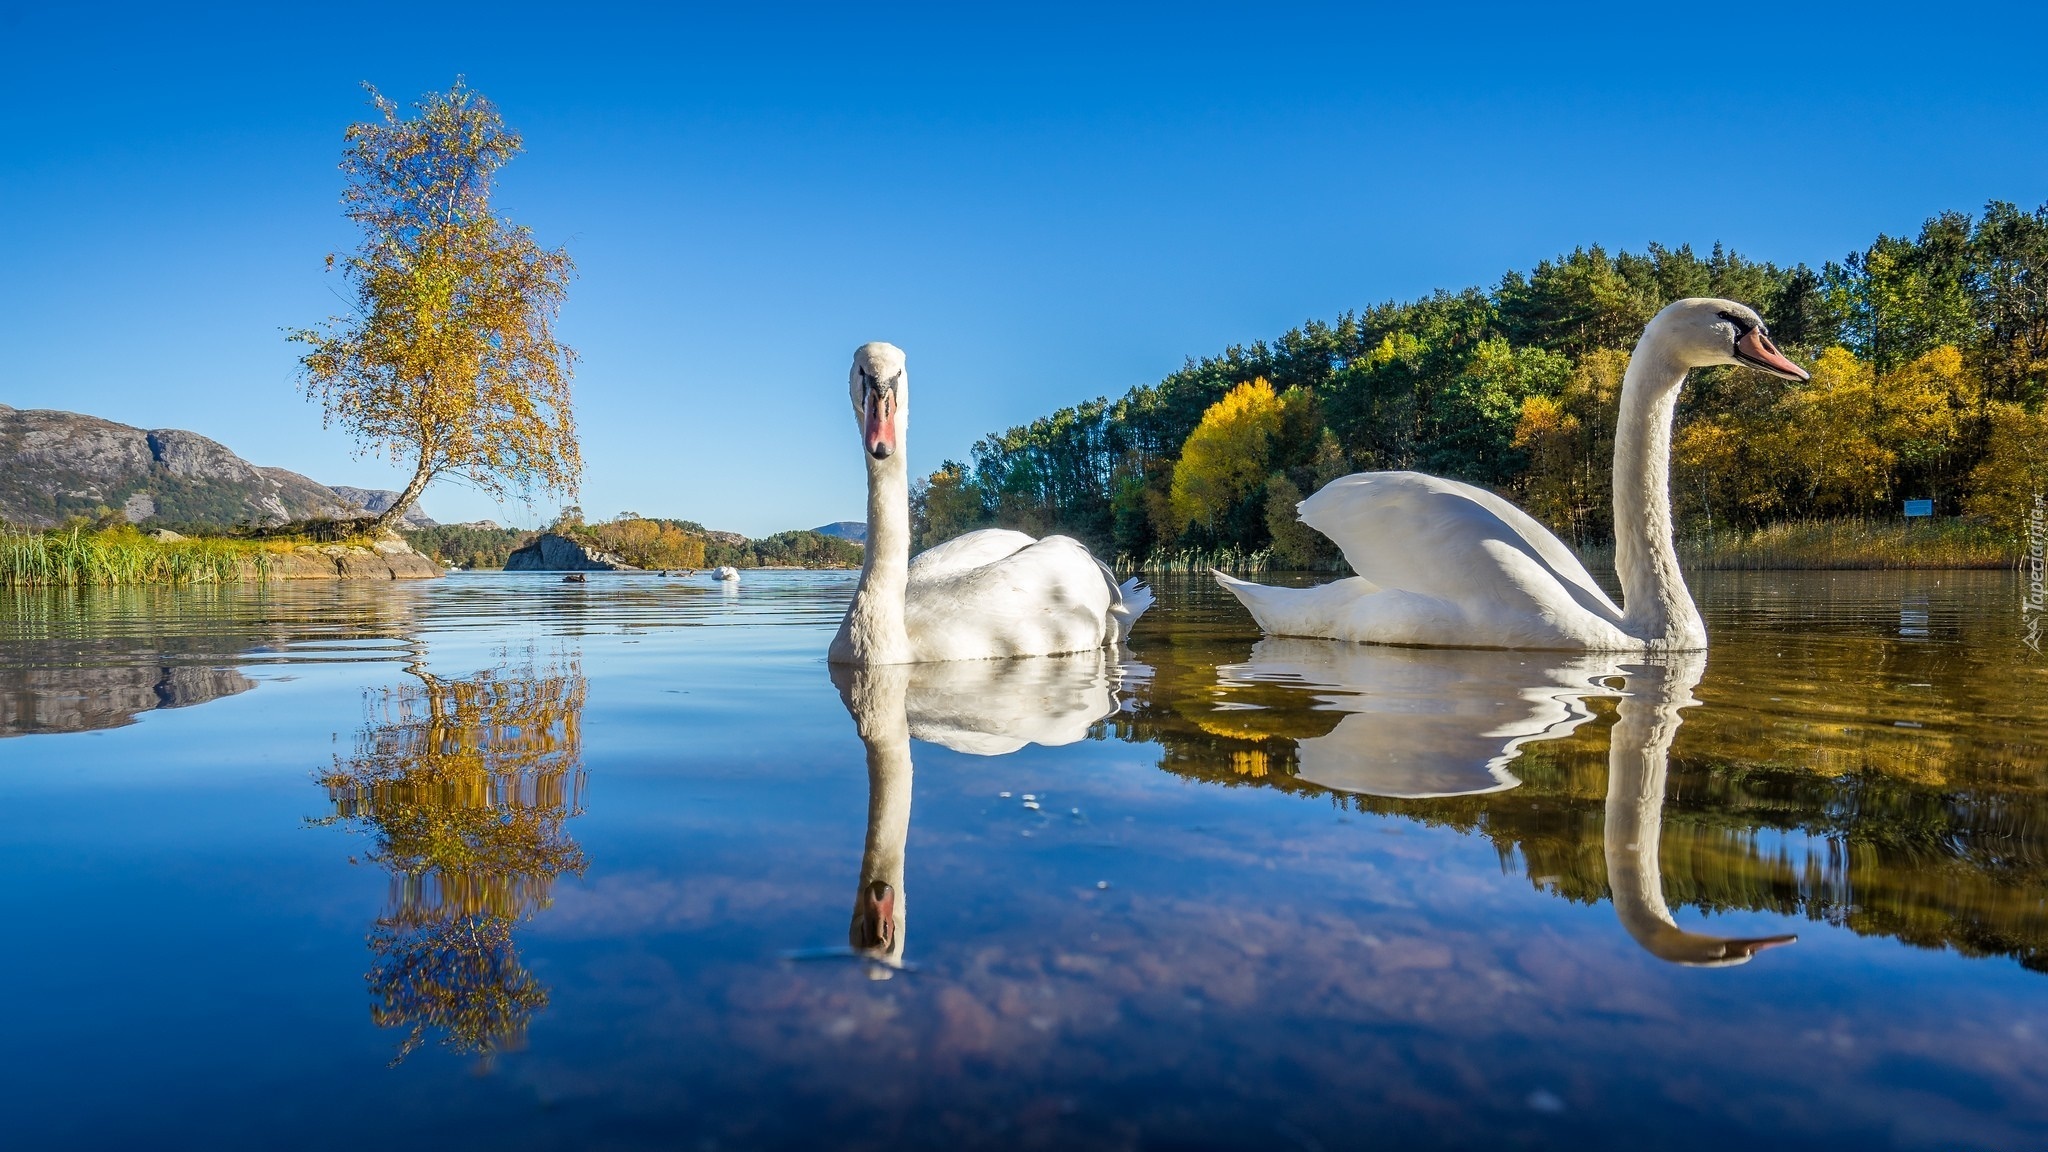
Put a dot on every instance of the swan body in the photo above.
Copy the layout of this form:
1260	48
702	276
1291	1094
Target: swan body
981	596
728	572
1446	564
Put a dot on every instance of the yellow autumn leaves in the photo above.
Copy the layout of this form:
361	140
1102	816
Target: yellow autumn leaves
1228	455
450	361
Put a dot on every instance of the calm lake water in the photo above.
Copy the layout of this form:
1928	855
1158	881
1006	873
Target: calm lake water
499	862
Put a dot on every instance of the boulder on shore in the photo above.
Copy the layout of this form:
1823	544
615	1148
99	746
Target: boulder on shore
552	553
384	560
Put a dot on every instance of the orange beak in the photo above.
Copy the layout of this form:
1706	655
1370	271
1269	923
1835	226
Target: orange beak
1756	348
874	918
879	429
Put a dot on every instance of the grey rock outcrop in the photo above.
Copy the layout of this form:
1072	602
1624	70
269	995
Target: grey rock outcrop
305	498
386	560
552	553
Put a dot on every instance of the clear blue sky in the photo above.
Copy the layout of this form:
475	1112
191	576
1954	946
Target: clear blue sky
1040	204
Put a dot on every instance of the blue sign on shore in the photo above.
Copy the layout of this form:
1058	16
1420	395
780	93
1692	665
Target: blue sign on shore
1919	507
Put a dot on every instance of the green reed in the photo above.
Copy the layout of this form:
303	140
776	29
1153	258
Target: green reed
1200	560
77	558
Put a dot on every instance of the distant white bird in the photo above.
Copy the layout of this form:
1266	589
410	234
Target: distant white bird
728	572
980	596
1445	564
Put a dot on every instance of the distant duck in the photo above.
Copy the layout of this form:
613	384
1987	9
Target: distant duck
1448	565
728	572
984	595
575	578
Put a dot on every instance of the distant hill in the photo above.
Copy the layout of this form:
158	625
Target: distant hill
56	465
846	530
375	500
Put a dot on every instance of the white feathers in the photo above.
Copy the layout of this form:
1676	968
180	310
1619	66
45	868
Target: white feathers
997	593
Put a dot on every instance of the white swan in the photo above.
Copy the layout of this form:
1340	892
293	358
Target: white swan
727	572
981	596
1445	564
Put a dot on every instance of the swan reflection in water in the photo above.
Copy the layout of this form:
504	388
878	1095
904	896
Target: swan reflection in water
1422	723
1638	757
1432	723
977	707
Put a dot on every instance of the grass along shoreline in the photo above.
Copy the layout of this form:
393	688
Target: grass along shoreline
78	558
1840	544
81	557
1795	545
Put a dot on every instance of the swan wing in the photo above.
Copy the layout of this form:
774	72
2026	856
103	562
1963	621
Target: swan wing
1048	597
967	552
1455	541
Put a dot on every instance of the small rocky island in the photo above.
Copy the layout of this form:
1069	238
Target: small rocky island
554	553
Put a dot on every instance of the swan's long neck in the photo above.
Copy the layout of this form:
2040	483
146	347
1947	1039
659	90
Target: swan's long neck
1656	607
873	631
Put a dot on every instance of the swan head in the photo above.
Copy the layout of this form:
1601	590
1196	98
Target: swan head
880	390
1708	331
873	931
1696	951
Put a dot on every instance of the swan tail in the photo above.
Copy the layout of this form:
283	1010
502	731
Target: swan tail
1258	599
1315	611
1134	597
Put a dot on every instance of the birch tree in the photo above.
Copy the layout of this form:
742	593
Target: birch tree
449	360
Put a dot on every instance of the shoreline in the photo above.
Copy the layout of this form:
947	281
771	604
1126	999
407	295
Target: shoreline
81	560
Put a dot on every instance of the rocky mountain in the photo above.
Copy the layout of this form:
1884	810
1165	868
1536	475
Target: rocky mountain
56	465
375	500
846	530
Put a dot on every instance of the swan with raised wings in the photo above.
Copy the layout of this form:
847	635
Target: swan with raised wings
1445	564
985	595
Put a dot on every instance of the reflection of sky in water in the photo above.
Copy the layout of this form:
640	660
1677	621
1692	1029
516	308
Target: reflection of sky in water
1271	964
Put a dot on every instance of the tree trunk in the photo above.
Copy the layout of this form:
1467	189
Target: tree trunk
387	519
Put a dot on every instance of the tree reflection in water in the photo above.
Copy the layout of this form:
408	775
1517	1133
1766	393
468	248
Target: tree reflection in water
465	786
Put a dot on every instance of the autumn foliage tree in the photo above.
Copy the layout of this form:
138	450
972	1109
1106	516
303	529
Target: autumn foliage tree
450	359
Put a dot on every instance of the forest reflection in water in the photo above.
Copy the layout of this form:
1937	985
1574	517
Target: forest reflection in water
464	787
